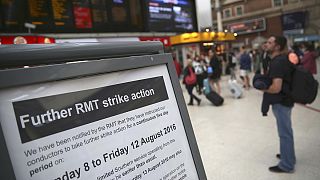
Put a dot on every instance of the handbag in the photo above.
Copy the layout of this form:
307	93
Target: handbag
191	79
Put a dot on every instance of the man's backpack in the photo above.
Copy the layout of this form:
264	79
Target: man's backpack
304	87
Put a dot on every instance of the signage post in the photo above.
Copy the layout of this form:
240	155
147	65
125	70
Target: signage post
97	111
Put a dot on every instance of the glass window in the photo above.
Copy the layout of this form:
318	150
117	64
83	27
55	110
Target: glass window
277	3
227	13
239	10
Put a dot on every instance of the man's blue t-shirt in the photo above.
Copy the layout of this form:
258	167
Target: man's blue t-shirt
245	61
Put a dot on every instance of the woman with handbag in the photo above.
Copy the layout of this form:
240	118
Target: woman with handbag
190	80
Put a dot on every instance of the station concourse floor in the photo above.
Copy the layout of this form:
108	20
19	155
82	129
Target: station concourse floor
237	143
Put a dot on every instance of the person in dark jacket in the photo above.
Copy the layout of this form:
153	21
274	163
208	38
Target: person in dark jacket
186	72
214	76
280	72
309	59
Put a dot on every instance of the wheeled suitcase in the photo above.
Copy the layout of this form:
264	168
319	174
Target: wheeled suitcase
215	98
235	89
206	86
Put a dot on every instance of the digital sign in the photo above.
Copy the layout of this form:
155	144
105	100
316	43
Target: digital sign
246	27
82	14
99	13
94	16
62	14
171	16
292	21
39	14
10	16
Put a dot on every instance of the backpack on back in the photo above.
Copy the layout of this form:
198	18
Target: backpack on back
304	87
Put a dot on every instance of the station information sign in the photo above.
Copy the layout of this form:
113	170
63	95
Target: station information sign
10	16
62	13
123	124
39	13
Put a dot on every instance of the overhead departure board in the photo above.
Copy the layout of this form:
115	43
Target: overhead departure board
39	13
10	14
94	16
99	14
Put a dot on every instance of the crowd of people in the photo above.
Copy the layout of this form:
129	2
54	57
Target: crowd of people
212	66
276	62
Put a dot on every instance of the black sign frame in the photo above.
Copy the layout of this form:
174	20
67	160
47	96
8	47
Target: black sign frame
139	55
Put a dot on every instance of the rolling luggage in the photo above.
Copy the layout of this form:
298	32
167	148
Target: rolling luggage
215	98
235	89
206	86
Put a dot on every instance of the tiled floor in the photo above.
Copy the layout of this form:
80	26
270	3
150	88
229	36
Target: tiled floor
237	143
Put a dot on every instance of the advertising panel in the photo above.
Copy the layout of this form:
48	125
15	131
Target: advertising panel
119	125
249	26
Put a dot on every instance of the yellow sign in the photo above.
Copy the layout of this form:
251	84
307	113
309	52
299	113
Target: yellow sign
195	37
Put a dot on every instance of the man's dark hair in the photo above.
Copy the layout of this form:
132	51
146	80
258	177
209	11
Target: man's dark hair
281	41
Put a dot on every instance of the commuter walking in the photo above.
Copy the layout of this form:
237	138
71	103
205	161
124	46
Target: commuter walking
190	80
309	59
280	73
232	62
214	76
199	68
245	68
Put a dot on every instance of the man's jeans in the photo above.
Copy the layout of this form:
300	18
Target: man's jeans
283	116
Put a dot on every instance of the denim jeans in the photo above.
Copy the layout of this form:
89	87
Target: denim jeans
283	116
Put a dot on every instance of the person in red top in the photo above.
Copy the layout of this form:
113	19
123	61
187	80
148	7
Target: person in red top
177	65
309	59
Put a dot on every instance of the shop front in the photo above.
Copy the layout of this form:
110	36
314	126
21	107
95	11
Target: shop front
196	43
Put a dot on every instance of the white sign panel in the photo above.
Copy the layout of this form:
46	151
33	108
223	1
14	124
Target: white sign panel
120	125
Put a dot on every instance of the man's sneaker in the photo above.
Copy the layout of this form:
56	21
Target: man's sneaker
277	169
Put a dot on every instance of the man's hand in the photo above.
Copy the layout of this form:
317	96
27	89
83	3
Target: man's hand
275	87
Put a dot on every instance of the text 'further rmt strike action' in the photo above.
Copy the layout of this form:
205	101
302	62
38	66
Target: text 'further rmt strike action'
51	115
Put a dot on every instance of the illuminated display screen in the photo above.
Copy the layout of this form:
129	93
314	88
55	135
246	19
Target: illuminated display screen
39	13
250	26
99	13
94	16
171	16
10	15
62	14
82	14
